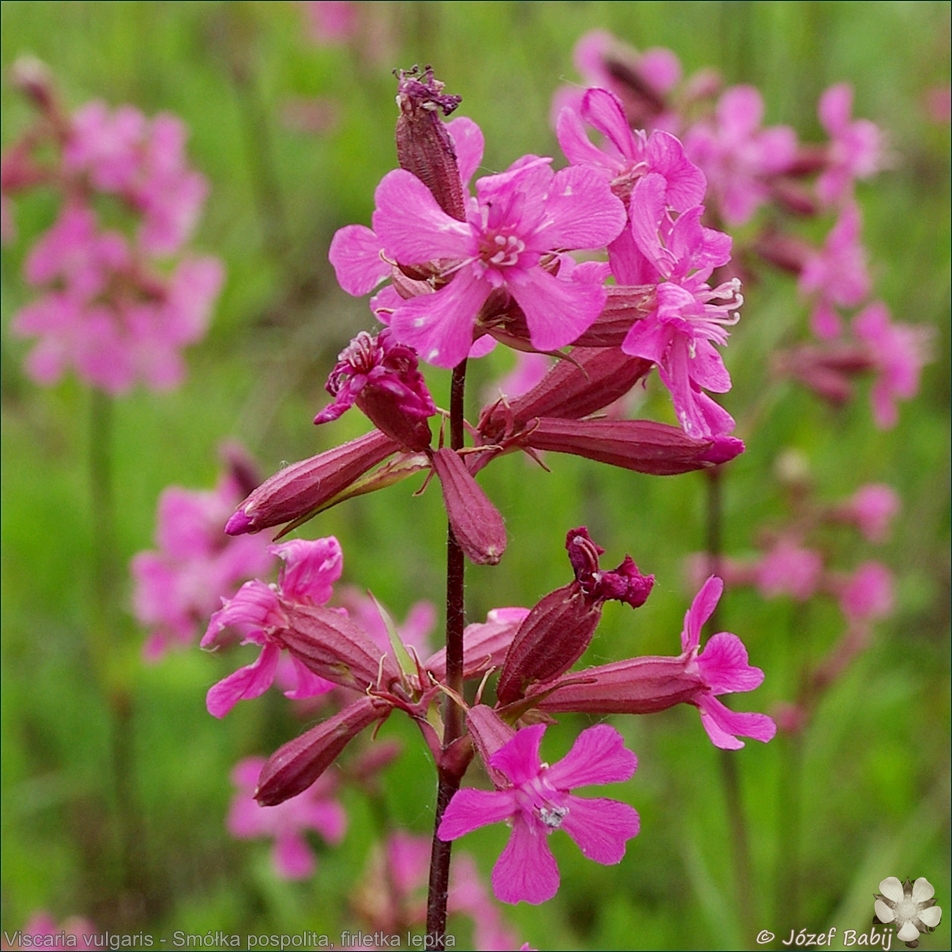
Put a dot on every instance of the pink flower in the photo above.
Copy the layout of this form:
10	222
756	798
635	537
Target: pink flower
836	273
723	668
648	684
627	155
331	21
414	632
196	564
518	217
899	351
315	809
678	335
856	147
868	594
789	569
738	157
144	162
45	933
538	801
873	507
258	611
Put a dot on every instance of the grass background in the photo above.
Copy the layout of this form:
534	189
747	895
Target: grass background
863	795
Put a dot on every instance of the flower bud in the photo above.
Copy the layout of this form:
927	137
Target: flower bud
560	627
484	645
553	637
476	522
304	487
294	767
585	382
634	686
328	643
625	305
640	445
424	147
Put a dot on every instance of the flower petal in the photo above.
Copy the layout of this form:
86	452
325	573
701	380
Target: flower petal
922	890
526	868
583	210
701	609
248	682
724	667
411	225
355	255
930	917
440	326
598	755
468	142
601	828
519	759
470	809
891	888
557	311
883	912
292	856
722	724
908	933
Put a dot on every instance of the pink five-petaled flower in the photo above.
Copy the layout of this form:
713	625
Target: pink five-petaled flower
518	217
315	809
680	255
723	668
537	802
307	577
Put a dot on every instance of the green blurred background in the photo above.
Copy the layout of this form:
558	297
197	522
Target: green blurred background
864	794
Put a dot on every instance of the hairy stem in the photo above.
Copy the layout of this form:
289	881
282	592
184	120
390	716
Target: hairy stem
440	853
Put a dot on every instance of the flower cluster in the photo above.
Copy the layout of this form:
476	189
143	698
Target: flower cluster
469	267
114	306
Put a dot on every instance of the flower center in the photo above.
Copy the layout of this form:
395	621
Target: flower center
907	909
552	817
500	250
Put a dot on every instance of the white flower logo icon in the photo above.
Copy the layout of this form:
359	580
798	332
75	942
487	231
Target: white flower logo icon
910	906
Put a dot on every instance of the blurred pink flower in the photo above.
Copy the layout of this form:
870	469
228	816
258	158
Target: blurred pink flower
306	578
868	593
836	273
873	508
315	809
856	146
537	802
331	21
195	567
42	932
898	351
739	157
789	569
415	631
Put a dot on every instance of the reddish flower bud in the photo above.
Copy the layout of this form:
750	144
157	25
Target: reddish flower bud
476	522
625	305
634	686
304	487
640	445
484	644
328	643
560	627
294	767
587	381
424	147
553	637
